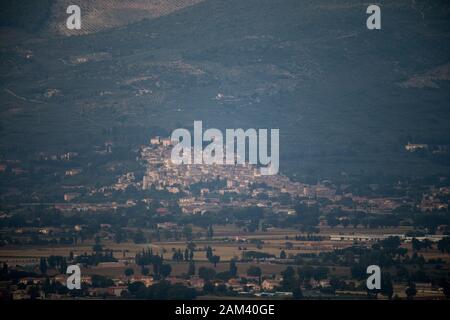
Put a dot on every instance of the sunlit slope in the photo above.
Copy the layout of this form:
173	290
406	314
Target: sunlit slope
98	15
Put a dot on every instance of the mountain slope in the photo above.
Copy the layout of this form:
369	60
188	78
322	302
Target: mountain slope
335	89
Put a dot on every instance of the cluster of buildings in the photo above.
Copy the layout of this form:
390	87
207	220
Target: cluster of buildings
435	199
219	181
242	185
246	285
223	185
242	285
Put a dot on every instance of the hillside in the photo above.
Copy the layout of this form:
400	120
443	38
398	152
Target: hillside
346	99
101	15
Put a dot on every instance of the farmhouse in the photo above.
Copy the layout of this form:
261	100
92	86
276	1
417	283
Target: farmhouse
270	285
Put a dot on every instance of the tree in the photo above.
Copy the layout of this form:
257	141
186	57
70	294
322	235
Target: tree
427	244
43	265
297	293
145	271
187	233
137	289
289	245
128	272
289	282
166	269
179	292
156	263
416	244
63	266
306	273
191	246
99	281
332	221
288	273
191	268
139	237
221	289
233	268
208	287
119	236
224	276
33	291
209	253
283	254
5	268
444	245
411	291
359	271
390	244
215	260
210	232
445	287
97	247
177	255
206	274
320	273
387	289
254	271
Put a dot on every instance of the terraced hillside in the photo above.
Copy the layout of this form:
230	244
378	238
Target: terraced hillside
98	15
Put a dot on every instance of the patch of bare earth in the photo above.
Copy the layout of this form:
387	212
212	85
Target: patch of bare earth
429	79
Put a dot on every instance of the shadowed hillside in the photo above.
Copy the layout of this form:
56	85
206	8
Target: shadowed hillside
345	98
